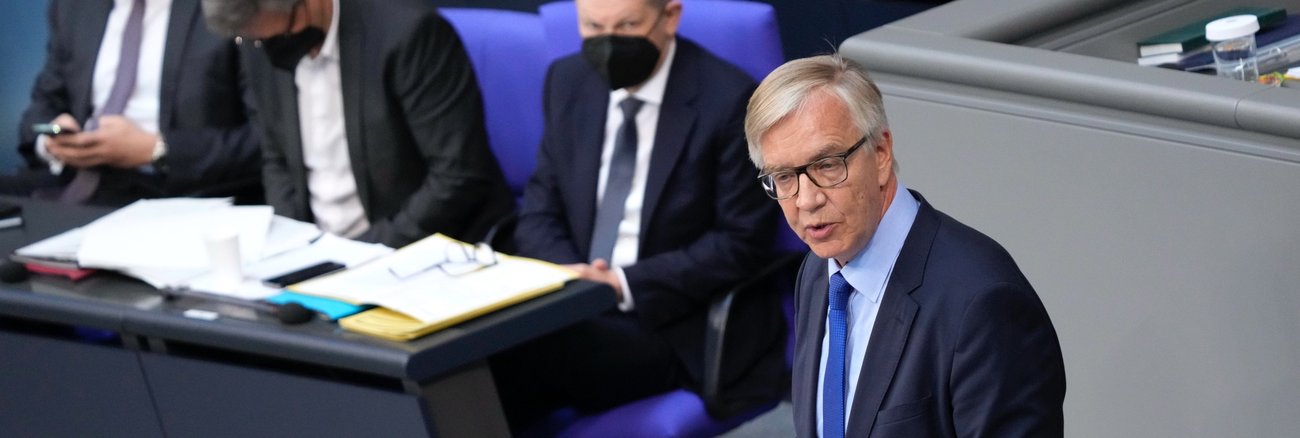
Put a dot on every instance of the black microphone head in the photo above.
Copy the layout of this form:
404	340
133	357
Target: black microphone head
12	272
292	313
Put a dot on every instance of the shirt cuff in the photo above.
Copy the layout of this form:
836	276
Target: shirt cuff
56	166
625	302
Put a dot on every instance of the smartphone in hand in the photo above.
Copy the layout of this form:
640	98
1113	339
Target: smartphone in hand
51	129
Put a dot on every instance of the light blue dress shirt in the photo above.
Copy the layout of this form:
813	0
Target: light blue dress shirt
868	273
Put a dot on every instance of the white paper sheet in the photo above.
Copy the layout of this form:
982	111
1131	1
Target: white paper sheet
432	295
161	242
170	235
62	247
328	248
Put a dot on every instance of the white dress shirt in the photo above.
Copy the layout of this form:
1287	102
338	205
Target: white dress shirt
142	106
868	273
647	120
330	183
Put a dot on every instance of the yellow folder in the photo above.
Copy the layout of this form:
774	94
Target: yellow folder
432	284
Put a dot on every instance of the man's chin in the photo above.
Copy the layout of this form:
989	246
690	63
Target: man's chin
825	250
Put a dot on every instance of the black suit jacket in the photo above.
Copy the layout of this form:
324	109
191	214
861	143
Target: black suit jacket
705	222
205	115
962	346
414	123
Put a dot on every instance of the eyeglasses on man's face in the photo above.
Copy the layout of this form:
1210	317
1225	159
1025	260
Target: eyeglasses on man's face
825	172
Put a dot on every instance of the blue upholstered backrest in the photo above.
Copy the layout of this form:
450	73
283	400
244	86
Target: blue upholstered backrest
508	49
741	32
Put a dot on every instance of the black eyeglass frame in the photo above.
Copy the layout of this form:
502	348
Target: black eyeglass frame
768	181
459	259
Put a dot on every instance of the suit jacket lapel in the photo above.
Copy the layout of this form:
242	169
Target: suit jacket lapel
893	323
676	119
351	40
290	132
89	31
818	284
184	16
590	109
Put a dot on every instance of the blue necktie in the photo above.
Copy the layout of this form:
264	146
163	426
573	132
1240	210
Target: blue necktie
833	389
618	183
87	180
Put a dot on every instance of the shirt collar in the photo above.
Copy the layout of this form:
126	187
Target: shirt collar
329	49
652	91
149	5
869	271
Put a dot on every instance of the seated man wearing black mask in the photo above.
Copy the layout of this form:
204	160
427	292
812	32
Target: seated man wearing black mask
642	183
372	117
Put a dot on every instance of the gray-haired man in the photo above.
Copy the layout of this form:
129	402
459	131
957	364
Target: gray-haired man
373	120
908	323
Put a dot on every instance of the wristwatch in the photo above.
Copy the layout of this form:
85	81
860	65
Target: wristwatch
160	152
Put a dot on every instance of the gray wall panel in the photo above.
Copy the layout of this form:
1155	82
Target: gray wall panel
1032	16
1167	262
1060	76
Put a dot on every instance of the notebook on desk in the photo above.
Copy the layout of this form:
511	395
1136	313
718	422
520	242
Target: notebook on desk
432	284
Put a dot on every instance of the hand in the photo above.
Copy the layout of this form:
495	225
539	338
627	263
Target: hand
118	142
69	124
599	271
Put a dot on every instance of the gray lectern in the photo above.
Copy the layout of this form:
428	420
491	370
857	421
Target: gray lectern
1157	212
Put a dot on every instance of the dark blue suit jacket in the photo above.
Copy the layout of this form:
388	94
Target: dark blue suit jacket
962	346
705	223
205	113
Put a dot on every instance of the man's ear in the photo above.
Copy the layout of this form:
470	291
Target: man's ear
672	16
884	144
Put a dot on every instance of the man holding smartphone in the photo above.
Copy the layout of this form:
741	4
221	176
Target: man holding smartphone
136	100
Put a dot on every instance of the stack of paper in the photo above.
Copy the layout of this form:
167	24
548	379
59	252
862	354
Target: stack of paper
169	234
423	287
326	248
432	299
162	242
59	251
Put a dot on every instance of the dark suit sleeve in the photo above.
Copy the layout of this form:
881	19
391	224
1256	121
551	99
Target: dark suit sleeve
542	231
1008	376
50	93
278	183
742	231
202	160
435	86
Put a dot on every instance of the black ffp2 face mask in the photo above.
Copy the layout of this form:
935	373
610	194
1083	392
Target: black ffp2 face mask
285	51
622	61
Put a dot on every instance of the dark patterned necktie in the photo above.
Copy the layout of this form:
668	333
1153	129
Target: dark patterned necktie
833	388
83	185
617	184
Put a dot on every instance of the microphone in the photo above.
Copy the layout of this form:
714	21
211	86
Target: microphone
290	313
12	272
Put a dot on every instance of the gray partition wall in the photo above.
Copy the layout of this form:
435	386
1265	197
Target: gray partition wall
1157	212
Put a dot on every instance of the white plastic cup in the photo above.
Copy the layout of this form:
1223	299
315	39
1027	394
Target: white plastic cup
223	256
1232	40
